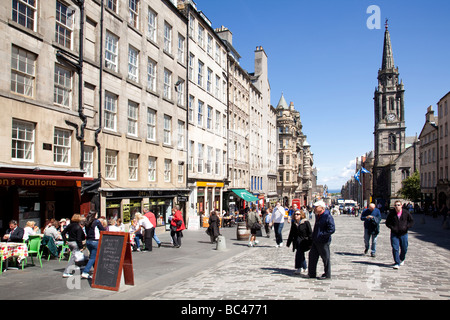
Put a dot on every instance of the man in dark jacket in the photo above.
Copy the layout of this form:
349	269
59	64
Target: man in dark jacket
321	239
399	221
371	217
14	233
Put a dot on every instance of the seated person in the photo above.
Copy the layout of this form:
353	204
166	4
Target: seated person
30	229
14	233
52	232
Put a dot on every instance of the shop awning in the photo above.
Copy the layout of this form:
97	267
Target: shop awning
245	195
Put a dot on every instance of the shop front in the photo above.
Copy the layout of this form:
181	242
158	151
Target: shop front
125	204
206	196
40	195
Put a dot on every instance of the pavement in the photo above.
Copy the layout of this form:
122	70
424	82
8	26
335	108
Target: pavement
197	271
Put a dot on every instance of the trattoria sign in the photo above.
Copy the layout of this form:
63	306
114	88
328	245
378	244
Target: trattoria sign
30	182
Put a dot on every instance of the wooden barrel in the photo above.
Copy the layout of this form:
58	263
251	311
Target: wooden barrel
242	233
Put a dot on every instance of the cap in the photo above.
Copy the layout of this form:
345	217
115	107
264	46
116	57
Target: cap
320	203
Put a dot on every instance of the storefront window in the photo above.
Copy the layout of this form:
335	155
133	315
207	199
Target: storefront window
112	209
162	208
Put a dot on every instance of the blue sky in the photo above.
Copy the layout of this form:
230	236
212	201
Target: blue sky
324	58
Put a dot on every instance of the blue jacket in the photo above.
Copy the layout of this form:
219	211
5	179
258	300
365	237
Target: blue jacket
323	228
375	214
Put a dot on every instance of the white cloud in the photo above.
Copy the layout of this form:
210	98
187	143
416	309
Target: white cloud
334	177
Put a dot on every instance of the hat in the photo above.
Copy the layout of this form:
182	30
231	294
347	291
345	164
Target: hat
320	203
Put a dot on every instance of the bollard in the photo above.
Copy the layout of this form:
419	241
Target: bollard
221	244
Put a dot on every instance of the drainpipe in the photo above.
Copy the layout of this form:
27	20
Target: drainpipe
100	89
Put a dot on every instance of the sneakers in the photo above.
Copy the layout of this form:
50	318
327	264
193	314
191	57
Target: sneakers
85	275
396	266
67	275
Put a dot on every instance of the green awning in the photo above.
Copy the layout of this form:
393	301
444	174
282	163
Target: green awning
244	194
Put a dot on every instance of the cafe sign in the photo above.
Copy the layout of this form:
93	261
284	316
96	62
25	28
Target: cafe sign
30	182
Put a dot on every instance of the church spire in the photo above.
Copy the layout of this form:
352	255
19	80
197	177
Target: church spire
388	56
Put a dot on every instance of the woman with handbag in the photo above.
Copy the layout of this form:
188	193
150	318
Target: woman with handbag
254	224
214	226
300	237
176	227
75	241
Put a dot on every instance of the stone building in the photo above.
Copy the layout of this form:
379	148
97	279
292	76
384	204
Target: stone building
295	166
396	156
428	155
443	184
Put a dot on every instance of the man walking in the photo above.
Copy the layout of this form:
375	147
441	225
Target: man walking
321	239
399	221
278	223
371	217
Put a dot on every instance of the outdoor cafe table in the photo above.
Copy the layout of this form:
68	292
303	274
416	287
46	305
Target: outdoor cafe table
13	249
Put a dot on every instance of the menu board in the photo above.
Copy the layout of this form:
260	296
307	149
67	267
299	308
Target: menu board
113	256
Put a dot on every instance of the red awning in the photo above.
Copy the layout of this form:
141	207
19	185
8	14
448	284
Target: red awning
43	177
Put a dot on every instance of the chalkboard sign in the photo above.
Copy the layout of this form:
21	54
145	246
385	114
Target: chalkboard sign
113	256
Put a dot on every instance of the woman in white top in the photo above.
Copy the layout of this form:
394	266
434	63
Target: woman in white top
144	222
278	215
30	230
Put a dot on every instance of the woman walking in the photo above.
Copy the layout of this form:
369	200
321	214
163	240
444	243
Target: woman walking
254	224
214	226
75	241
93	227
300	237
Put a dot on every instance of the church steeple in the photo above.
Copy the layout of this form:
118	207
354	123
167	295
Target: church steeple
388	56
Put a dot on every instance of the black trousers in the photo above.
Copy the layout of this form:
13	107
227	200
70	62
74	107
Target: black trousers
148	239
319	250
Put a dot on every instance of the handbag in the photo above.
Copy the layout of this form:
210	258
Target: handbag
305	244
256	226
79	256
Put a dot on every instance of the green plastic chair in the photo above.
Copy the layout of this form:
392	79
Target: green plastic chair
65	247
34	247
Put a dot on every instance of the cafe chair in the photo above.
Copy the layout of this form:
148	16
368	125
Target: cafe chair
34	247
65	247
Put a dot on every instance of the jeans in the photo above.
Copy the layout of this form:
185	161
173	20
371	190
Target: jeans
92	246
399	247
367	237
278	228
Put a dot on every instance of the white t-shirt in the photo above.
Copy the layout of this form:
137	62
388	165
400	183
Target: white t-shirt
144	222
278	215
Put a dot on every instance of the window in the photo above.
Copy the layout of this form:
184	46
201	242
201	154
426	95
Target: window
151	75
191	25
64	25
167	84
191	66
22	147
167	170
179	88
22	71
180	172
151	124
133	167
167	38
112	4
181	129
88	161
217	164
209	80
167	129
209	116
191	108
110	111
209	45
392	143
62	86
200	158
132	123
133	64
180	54
111	165
152	25
133	13
61	146
200	73
217	88
111	51
200	37
209	160
217	123
191	156
151	169
200	113
24	13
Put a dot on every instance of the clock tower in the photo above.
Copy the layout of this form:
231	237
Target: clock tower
390	126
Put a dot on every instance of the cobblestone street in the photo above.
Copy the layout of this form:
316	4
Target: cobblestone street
266	272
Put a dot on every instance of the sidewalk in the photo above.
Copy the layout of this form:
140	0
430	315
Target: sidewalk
197	271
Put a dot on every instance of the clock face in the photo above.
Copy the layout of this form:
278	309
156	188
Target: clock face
391	117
